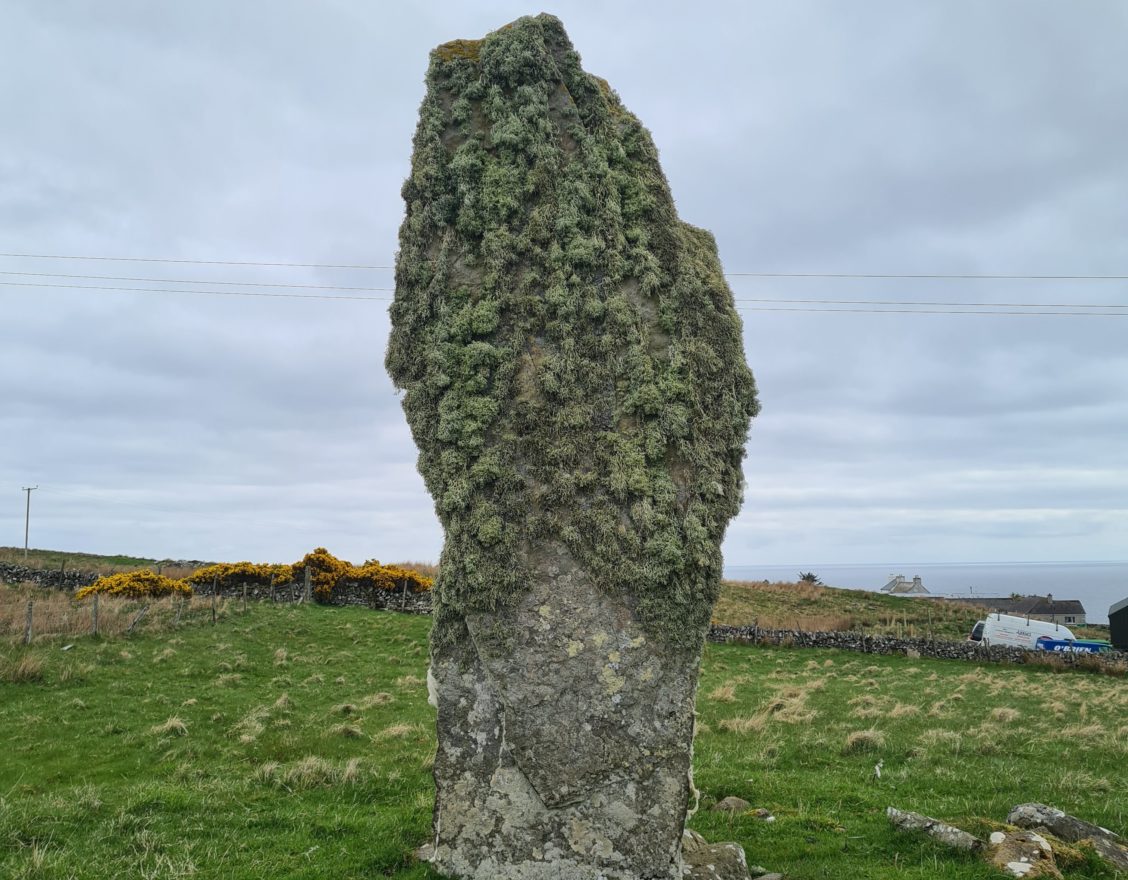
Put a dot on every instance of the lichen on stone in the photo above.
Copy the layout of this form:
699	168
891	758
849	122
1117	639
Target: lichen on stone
571	358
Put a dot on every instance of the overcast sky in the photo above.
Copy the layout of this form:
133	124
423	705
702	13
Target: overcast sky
950	137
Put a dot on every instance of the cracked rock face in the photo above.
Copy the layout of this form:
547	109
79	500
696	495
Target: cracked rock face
574	378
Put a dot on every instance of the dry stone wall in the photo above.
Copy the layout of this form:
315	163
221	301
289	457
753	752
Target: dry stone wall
52	578
938	650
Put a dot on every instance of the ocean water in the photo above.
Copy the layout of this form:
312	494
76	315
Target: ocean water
1098	585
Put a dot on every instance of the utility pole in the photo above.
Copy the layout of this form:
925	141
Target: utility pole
27	516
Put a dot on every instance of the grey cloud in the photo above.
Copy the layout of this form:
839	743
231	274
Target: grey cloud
808	136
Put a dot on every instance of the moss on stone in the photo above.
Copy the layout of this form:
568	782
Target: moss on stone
465	49
572	362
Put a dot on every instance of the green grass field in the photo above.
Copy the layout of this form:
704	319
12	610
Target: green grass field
296	742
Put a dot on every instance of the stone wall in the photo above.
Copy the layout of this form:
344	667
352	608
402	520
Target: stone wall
346	593
939	650
54	578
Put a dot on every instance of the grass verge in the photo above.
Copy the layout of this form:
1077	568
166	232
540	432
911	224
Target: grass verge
221	752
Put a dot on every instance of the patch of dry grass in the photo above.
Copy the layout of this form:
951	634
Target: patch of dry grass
399	731
743	725
22	669
938	739
309	772
174	726
863	741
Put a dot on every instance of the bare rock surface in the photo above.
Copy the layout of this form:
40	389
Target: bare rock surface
732	804
1022	854
1059	823
714	861
567	758
1116	854
949	835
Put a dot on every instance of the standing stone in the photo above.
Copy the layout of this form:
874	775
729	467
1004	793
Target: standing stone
575	380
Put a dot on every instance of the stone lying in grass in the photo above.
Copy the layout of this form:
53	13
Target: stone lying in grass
1022	854
1111	847
949	835
1061	824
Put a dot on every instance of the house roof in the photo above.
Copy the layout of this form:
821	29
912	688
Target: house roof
1119	606
1027	604
908	587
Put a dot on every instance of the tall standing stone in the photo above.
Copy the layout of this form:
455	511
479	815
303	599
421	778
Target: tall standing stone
575	381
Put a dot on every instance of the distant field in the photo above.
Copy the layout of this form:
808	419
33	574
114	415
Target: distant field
769	605
814	607
100	564
296	742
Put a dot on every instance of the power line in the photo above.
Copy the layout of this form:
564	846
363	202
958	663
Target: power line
254	293
1032	309
936	312
978	306
196	262
899	302
967	276
870	275
192	281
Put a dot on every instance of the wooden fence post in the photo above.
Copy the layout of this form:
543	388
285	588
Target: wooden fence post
403	597
27	624
94	617
215	589
307	595
144	610
272	589
244	597
179	609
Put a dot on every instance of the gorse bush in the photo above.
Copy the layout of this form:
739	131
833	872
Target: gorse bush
229	574
143	584
327	573
389	577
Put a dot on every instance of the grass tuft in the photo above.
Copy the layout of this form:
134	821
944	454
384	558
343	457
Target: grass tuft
863	741
173	727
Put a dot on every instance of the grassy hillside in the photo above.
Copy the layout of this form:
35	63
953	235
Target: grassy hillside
815	607
296	742
101	564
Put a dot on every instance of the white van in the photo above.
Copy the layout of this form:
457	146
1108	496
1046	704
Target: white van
1017	632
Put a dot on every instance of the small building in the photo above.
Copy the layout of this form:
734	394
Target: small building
1068	611
1118	625
898	585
